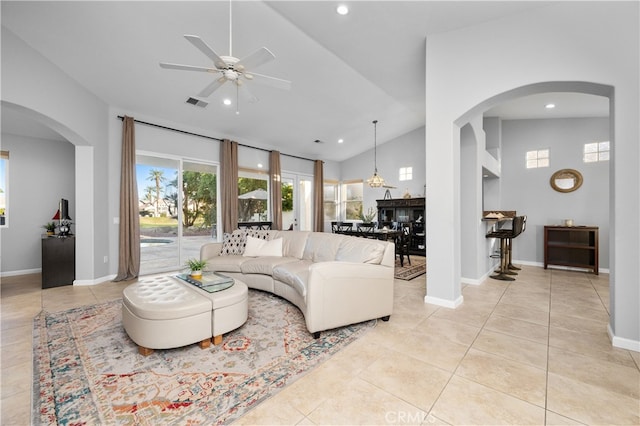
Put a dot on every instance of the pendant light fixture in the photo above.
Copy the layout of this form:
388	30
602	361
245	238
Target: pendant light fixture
375	181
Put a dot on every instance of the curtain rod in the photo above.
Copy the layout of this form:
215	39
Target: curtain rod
209	137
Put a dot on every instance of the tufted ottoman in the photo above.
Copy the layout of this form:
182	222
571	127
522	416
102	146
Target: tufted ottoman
163	312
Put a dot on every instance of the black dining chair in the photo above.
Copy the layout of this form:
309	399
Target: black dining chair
403	243
338	227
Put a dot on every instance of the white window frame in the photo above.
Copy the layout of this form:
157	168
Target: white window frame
343	198
538	158
4	196
595	152
405	173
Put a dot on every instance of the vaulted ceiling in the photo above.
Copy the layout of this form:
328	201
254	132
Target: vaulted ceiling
345	70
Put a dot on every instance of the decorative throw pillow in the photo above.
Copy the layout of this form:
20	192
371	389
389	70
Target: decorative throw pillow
260	247
233	243
257	233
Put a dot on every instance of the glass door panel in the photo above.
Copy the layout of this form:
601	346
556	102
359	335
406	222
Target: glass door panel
199	212
289	220
297	202
157	185
305	203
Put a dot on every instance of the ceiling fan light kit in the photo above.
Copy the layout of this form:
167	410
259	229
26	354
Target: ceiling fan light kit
230	68
375	181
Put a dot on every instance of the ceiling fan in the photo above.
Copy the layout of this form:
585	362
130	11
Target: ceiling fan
231	69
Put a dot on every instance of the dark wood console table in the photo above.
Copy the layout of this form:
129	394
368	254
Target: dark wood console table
574	246
58	261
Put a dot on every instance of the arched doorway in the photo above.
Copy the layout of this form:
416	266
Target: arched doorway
83	214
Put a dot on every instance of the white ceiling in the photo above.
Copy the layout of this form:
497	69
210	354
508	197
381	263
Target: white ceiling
346	70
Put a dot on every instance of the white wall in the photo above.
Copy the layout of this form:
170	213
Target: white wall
405	151
528	190
34	86
41	172
594	42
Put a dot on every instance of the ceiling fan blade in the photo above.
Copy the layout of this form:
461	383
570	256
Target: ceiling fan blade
186	67
243	90
278	83
207	91
255	59
207	50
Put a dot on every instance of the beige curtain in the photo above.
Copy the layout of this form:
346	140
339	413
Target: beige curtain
318	196
276	189
229	185
129	243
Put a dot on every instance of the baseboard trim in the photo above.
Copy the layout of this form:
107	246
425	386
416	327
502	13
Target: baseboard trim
94	281
621	342
22	272
564	268
452	304
476	281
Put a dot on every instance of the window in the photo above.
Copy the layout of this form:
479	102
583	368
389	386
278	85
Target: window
596	151
406	173
330	200
352	199
253	196
538	158
4	186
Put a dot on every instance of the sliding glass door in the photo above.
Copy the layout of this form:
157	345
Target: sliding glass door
178	211
297	202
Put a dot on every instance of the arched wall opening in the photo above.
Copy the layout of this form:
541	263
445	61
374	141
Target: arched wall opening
467	173
475	249
83	176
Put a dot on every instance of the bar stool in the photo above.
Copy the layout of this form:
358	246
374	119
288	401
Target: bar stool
510	266
506	236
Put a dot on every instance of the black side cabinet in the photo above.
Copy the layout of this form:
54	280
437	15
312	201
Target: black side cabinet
58	261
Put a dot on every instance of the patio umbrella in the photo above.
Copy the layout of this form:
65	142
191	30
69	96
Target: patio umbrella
256	194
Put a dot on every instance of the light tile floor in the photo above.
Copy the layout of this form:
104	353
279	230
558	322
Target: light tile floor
531	351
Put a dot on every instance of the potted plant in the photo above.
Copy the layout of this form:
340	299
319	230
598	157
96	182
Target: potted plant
196	266
50	227
369	216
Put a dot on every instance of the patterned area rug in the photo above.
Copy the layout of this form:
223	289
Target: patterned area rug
88	371
408	272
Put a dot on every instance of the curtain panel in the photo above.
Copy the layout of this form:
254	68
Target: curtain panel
318	195
129	233
276	189
229	185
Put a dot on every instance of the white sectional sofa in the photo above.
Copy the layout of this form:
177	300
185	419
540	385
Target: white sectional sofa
335	280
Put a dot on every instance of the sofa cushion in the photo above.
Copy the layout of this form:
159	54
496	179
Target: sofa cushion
233	243
360	250
229	263
322	247
264	264
293	242
295	274
259	247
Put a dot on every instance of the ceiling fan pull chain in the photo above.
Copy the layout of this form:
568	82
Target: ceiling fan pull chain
237	101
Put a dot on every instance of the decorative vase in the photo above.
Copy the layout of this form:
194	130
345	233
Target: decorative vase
196	274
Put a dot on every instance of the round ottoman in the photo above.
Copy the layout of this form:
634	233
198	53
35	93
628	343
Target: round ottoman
165	312
161	313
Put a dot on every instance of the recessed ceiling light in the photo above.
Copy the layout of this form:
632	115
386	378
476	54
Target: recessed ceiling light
227	101
340	140
342	9
259	165
550	106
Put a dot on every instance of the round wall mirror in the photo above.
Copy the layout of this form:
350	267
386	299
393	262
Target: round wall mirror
566	180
